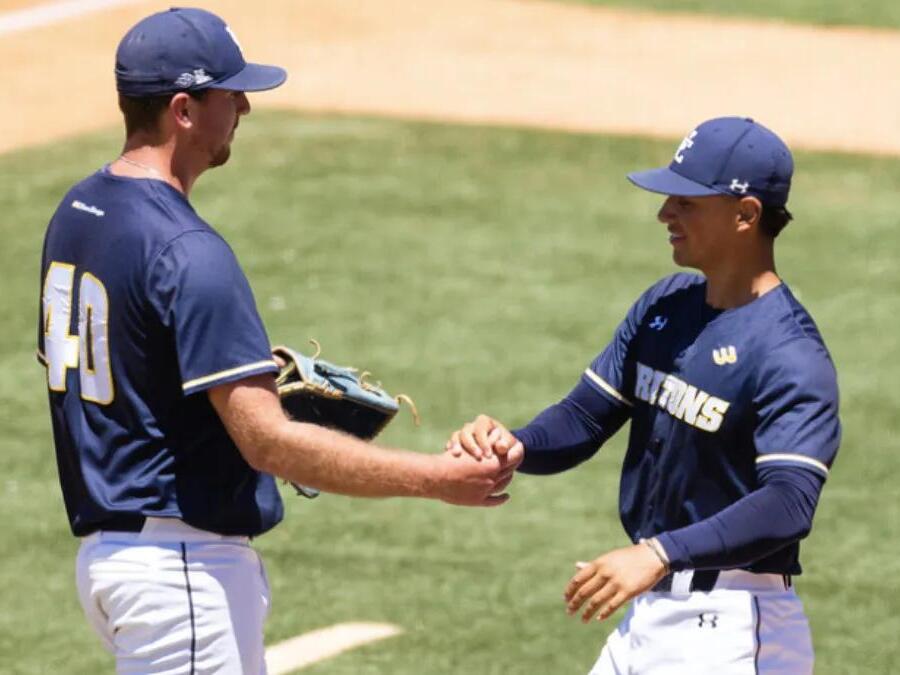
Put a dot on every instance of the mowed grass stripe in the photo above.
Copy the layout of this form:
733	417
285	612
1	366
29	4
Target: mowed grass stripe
874	13
476	269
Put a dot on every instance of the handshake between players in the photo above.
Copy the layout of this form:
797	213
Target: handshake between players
599	587
468	482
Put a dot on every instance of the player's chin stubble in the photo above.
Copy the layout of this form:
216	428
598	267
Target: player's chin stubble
220	156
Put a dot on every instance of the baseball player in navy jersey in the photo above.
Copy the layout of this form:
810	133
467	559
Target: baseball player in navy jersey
733	404
168	428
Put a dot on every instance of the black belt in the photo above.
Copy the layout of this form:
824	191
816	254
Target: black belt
123	522
703	581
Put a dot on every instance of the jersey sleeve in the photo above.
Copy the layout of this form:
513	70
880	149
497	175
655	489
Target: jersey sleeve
610	374
796	403
203	297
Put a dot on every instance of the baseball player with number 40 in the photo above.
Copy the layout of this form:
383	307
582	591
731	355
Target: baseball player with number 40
733	403
167	421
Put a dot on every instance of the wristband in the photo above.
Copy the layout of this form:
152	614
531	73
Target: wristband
658	550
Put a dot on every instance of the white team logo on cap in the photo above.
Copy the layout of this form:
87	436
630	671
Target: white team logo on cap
686	144
233	37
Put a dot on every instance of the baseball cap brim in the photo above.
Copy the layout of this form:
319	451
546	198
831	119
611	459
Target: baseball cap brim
253	77
666	182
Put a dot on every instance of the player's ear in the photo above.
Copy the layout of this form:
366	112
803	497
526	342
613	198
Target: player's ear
180	110
749	212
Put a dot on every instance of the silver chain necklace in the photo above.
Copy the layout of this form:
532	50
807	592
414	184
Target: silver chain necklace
146	168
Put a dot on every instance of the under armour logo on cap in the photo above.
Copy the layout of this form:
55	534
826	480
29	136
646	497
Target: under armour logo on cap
737	186
708	160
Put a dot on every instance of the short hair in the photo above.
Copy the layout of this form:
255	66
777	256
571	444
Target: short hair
142	113
773	220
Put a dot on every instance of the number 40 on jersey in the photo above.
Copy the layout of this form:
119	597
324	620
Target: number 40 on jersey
88	351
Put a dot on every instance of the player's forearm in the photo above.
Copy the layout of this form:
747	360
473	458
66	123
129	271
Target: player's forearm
339	463
314	456
777	514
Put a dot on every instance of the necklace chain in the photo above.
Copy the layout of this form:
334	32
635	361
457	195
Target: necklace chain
145	167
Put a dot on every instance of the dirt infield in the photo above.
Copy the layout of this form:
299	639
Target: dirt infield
518	62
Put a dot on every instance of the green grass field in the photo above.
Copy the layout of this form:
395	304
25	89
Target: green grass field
475	269
878	13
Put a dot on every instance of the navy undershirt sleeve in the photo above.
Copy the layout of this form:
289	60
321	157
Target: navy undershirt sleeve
778	513
569	432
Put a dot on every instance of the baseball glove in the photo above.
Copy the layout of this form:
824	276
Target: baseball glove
316	391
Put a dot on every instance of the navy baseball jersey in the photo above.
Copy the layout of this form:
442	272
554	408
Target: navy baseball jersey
145	307
714	396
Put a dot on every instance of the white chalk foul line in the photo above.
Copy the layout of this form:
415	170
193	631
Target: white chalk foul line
54	12
323	643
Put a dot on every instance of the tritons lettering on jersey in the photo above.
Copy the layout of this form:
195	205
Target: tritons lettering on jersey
681	400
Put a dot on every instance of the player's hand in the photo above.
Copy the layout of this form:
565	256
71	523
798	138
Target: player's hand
603	585
465	481
483	437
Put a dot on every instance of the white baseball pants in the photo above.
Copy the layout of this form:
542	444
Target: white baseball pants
748	624
174	599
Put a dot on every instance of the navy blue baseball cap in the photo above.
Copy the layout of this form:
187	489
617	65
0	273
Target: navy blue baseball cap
185	49
725	156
